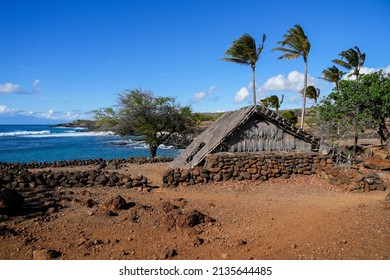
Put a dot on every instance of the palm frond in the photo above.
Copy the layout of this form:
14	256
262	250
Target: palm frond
342	63
354	59
295	44
235	60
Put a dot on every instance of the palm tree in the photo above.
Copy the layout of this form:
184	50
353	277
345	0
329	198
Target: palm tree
273	102
333	75
294	45
354	60
244	51
312	93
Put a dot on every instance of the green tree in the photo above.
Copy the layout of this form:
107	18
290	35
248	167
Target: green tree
359	104
155	118
376	87
273	102
312	93
332	75
106	117
353	60
245	51
294	45
291	116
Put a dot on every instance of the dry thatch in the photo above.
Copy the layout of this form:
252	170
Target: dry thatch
250	129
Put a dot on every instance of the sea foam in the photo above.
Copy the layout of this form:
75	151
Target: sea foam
24	133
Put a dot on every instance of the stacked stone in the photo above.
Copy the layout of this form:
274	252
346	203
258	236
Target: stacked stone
249	166
22	178
354	180
115	163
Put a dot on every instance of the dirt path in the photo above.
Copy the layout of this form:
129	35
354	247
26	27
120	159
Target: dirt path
299	218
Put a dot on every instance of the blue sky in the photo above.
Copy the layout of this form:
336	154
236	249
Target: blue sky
62	59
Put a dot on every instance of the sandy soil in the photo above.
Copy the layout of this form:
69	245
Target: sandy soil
299	218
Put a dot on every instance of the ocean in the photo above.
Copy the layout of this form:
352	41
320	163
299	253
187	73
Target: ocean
40	143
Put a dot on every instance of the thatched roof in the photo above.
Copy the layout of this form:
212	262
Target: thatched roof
229	123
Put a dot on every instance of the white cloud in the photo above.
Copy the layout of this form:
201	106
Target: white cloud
49	115
12	88
293	82
9	88
59	115
36	86
3	109
198	96
367	70
7	111
241	95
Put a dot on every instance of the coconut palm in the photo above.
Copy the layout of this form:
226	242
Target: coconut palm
354	60
312	93
244	51
273	102
333	75
294	45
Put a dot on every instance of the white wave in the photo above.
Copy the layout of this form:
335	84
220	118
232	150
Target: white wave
164	147
25	133
76	134
72	127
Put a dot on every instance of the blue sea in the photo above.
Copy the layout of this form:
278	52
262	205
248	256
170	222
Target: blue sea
26	143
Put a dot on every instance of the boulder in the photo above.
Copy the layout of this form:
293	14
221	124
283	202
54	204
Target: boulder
377	162
115	203
10	201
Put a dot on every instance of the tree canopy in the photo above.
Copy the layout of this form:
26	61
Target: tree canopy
155	118
273	102
312	93
357	105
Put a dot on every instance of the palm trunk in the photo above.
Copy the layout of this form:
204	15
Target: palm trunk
254	85
304	96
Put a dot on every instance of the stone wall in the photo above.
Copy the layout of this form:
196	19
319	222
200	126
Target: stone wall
249	166
263	166
22	178
102	173
100	163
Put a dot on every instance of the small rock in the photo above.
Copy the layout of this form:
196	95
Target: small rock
196	241
380	187
115	203
369	181
225	256
193	218
241	242
377	162
387	199
46	254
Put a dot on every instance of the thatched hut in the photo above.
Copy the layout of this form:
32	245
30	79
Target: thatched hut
250	129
